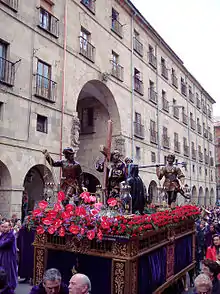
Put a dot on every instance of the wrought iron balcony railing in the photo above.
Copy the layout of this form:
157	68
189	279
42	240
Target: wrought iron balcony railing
117	71
176	112
186	150
152	59
7	72
117	27
204	109
210	137
200	156
164	71
199	128
191	97
198	103
139	130
205	133
192	124
13	4
183	89
165	103
90	4
138	85
211	161
193	154
174	80
209	113
185	118
152	95
48	22
45	88
138	46
206	159
166	141
177	146
86	49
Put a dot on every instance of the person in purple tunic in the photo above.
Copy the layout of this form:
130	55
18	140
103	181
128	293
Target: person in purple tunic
4	288
8	254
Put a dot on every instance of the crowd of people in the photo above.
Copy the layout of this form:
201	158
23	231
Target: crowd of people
205	278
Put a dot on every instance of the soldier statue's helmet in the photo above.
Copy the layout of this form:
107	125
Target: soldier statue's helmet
128	160
171	156
115	152
68	150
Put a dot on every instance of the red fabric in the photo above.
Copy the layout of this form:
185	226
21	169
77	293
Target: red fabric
211	253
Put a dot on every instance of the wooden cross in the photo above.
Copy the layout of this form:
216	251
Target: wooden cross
106	150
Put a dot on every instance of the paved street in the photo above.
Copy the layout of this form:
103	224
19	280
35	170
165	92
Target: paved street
23	289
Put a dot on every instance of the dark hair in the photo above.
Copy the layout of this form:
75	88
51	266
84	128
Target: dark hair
213	266
213	237
3	278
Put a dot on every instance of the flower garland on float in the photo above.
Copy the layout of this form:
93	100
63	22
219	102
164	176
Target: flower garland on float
86	220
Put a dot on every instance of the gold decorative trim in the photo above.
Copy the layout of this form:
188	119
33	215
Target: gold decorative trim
39	254
118	276
134	276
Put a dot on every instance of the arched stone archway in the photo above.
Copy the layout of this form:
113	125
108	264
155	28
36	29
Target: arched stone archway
212	197
194	195
153	192
207	200
90	182
95	106
201	196
5	189
37	183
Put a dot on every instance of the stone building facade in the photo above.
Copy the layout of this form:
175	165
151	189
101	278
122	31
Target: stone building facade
217	156
67	63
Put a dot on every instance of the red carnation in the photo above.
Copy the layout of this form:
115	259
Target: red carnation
36	212
94	211
91	235
51	230
61	196
112	202
57	223
105	225
47	221
69	207
43	204
52	214
57	207
80	211
66	215
62	232
40	230
100	235
82	231
74	229
84	195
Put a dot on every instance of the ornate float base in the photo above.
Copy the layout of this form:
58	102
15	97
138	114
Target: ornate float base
146	264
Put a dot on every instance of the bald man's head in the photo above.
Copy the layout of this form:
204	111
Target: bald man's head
79	284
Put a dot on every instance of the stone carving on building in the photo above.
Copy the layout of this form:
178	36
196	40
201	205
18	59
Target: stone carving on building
119	144
75	129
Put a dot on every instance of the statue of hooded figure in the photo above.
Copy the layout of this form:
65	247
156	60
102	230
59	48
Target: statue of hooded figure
138	189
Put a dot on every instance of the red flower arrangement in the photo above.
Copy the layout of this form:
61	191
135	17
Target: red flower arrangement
84	221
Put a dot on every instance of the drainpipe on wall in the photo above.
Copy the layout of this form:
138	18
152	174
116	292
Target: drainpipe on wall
158	114
189	140
132	86
63	80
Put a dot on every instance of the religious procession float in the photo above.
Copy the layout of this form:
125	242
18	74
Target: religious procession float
123	245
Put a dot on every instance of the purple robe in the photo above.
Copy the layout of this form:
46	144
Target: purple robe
26	253
8	257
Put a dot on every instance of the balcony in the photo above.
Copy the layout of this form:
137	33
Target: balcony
199	128
138	85
49	23
117	27
177	146
117	71
45	88
210	137
176	112
7	72
153	136
186	150
183	89
152	59
209	113
164	71
165	103
191	97
211	161
206	159
205	133
193	154
90	4
200	156
152	95
192	124
13	4
166	141
174	80
138	46
198	103
204	109
87	49
139	130
185	118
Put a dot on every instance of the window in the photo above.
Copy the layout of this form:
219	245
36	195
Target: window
3	54
138	127
153	157
1	110
163	94
165	132
138	153
41	123
151	57
48	22
90	4
117	69
200	170
116	26
193	168
86	48
206	173
138	46
164	70
13	4
153	125
165	159
138	84
137	117
44	84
